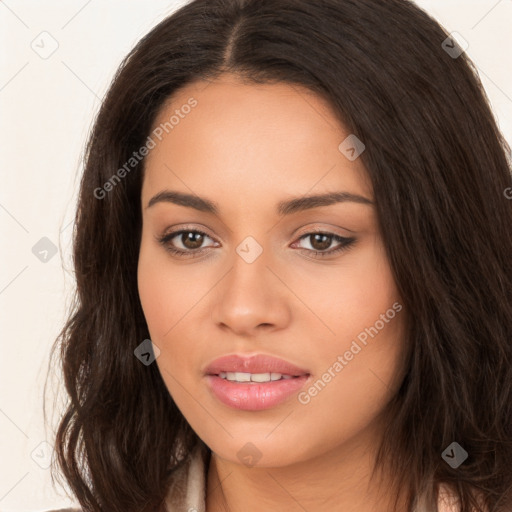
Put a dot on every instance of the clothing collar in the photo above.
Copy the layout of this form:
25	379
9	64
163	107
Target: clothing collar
187	492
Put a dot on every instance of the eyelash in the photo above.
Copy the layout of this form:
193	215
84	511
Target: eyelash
346	243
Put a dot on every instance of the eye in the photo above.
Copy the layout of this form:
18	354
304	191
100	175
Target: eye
321	241
189	243
190	240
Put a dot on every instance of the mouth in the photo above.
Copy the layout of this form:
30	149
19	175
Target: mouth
255	383
259	366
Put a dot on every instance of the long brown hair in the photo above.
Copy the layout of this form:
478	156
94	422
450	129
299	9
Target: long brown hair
439	169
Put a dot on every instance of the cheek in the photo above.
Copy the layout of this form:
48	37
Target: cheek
359	364
154	297
168	296
351	297
358	372
166	292
353	399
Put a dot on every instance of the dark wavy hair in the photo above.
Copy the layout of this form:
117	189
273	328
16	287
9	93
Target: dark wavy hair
439	168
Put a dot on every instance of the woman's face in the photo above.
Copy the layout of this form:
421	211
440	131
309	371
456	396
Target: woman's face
253	284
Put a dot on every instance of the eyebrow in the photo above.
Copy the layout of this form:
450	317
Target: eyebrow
287	207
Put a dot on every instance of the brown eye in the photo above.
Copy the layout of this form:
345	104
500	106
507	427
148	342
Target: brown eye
192	239
320	241
184	241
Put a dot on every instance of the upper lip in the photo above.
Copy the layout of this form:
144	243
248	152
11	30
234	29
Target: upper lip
259	363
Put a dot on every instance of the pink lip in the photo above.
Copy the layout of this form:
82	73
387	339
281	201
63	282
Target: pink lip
252	396
259	363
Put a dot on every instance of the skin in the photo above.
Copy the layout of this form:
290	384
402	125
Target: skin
247	147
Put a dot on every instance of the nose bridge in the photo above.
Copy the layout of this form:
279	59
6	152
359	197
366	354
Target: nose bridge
248	276
250	295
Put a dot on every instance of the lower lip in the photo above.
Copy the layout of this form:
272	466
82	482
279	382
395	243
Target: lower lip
255	396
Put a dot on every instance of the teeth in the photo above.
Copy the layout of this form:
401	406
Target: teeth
259	377
239	376
253	377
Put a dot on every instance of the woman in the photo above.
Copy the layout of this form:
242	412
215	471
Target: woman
292	253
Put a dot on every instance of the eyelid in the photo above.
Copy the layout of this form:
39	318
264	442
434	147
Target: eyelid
173	230
328	231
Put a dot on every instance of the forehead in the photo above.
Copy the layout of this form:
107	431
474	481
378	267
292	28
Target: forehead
257	140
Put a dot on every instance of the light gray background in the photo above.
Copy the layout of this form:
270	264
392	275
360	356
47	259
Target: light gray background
47	106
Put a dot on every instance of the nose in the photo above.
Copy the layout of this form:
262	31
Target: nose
251	298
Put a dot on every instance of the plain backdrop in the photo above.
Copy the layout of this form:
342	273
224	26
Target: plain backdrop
47	104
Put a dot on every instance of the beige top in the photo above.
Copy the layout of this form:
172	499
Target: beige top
187	492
